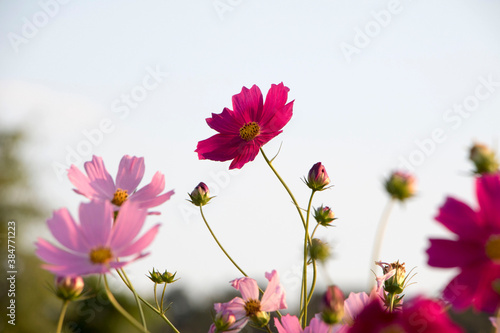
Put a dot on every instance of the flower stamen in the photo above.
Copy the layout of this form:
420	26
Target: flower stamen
119	197
252	307
249	131
100	255
493	247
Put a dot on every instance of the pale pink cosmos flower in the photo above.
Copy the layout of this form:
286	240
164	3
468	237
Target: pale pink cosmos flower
94	245
291	324
99	185
225	321
248	306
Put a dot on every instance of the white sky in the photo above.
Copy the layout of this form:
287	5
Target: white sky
358	117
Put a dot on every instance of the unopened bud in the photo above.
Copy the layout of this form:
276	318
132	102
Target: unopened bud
261	318
200	196
324	215
319	250
333	303
317	179
69	288
401	185
484	159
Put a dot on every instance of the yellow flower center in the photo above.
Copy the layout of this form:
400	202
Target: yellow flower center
252	307
100	255
119	197
249	131
493	247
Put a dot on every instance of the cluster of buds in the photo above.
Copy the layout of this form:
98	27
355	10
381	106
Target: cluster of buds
484	159
200	196
333	305
317	179
400	185
160	278
324	215
69	288
395	281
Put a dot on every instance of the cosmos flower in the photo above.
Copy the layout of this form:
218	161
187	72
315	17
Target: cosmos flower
290	324
99	185
475	249
94	245
249	307
420	315
245	130
225	321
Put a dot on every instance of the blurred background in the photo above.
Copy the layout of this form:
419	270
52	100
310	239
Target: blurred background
378	86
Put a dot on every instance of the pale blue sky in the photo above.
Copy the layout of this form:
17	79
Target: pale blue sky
358	117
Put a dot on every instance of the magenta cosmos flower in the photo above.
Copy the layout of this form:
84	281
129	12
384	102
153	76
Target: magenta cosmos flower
94	245
248	306
420	315
99	185
250	126
475	248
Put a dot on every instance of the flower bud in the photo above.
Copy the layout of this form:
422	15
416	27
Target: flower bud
401	185
155	276
168	277
224	320
261	318
69	288
396	283
200	195
324	215
333	303
484	159
319	250
317	178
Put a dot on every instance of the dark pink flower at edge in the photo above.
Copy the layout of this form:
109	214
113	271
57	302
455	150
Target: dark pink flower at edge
420	315
475	249
244	130
99	185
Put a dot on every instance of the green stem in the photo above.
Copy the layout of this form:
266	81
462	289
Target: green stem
218	243
377	246
286	187
305	297
143	318
314	230
156	298
61	316
120	309
163	297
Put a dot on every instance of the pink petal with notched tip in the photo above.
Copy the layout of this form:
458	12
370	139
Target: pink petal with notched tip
96	220
274	296
66	231
100	179
140	244
248	288
130	173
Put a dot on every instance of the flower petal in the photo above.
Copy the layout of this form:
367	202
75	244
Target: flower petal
66	231
248	288
462	289
96	219
100	179
127	225
354	304
82	183
225	122
449	253
139	244
276	114
53	255
247	154
220	147
156	201
289	324
488	196
248	105
151	190
274	296
130	173
459	218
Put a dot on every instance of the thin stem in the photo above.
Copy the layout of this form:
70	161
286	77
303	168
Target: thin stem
120	309
285	186
61	316
304	302
382	226
156	298
163	297
131	287
314	230
218	243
